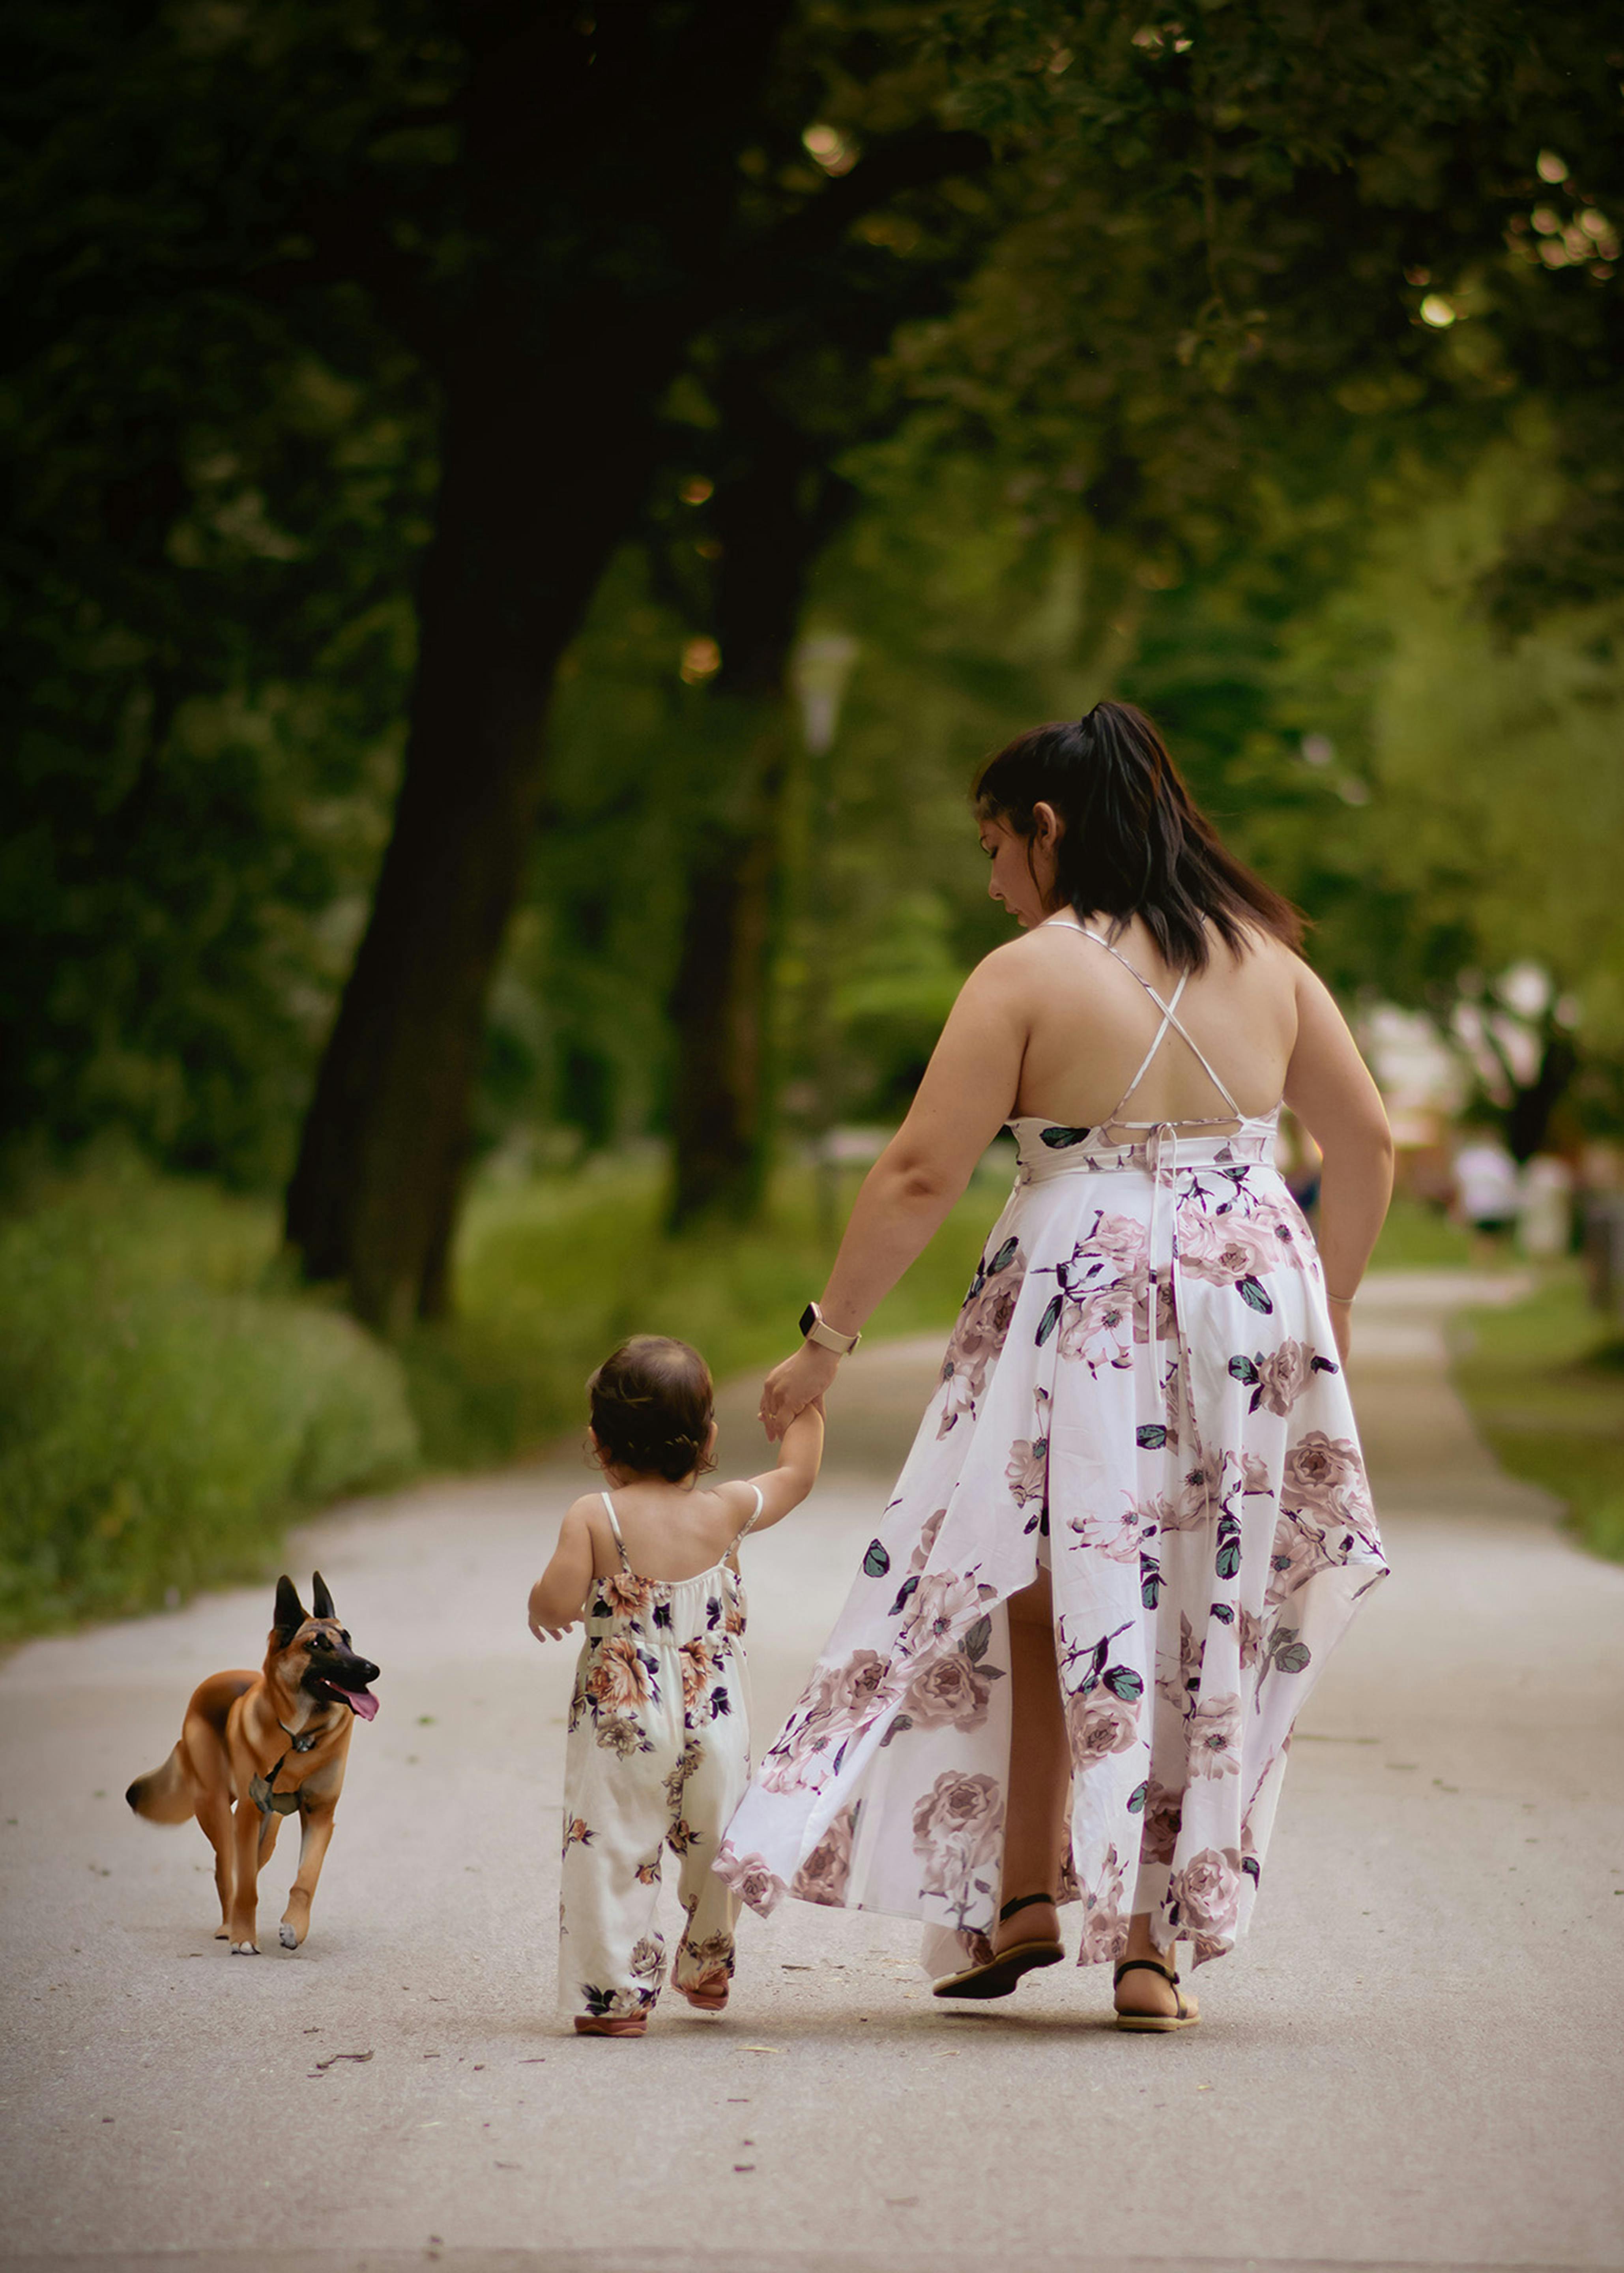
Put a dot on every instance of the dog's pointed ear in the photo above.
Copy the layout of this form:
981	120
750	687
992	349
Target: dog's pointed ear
321	1600
289	1615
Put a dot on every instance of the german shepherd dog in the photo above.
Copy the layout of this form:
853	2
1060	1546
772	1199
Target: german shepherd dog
257	1746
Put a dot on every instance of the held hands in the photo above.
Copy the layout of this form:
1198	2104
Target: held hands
797	1382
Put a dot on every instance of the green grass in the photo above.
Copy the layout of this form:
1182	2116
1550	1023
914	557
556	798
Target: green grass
552	1273
164	1407
1416	1237
1545	1383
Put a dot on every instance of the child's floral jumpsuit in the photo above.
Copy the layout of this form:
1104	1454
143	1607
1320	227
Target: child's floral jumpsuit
658	1756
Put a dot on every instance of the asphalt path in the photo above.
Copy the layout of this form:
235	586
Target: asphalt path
1415	2059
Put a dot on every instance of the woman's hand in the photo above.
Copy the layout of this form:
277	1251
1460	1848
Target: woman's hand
790	1387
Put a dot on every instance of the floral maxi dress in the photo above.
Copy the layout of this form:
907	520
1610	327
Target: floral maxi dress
657	1757
1142	1392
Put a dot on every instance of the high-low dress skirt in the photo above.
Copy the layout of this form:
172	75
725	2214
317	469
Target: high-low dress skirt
1142	1391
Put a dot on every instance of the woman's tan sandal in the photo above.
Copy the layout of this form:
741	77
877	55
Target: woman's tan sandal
999	1976
618	2024
1153	2024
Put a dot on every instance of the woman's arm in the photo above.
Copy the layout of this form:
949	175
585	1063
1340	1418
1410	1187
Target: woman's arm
968	1093
1329	1088
558	1595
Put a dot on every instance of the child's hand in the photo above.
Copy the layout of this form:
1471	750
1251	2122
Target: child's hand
550	1633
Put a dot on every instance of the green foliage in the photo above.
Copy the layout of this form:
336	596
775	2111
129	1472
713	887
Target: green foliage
163	1415
1545	1383
553	1272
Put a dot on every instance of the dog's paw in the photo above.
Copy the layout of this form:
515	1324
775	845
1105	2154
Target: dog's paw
288	1935
245	1949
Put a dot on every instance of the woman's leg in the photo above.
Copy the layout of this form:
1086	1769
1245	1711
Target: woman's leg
1039	1768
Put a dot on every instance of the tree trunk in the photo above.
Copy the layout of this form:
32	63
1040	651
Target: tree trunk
585	265
772	514
720	1001
518	551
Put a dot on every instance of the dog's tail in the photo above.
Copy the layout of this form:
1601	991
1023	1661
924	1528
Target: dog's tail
163	1796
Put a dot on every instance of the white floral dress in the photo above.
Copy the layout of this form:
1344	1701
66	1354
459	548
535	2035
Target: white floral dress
1142	1391
657	1757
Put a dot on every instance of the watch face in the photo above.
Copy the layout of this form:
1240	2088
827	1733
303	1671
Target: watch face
809	1317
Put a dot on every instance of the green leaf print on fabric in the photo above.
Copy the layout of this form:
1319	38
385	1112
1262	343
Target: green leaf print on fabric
1123	1682
1137	1797
876	1563
1252	1296
1243	1369
1061	1140
1050	1318
1152	1437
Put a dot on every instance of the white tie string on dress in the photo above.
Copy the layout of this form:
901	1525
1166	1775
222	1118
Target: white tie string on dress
1162	1140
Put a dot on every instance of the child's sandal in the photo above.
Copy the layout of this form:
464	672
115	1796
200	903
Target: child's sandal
620	2024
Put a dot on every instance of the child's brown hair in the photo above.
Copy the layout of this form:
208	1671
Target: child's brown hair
652	1405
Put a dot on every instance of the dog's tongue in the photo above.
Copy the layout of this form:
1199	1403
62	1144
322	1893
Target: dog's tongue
359	1701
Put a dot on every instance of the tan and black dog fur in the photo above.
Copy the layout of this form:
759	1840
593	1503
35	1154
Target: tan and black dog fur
257	1746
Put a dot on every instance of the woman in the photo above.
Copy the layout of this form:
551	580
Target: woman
1135	1518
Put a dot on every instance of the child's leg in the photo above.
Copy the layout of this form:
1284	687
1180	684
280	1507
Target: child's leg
611	1954
712	1790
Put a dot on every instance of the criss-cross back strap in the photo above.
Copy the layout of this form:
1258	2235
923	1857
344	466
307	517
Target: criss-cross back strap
749	1525
1170	1017
614	1524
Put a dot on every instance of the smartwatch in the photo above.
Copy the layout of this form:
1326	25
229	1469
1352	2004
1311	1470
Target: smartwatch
816	1328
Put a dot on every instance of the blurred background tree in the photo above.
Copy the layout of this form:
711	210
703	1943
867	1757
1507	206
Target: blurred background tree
421	422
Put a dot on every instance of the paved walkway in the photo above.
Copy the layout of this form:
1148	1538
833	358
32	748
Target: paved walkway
1415	2060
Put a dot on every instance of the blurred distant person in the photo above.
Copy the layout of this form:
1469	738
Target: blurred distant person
1488	1194
1135	1518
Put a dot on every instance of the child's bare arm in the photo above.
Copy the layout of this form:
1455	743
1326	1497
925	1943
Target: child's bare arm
558	1595
800	1454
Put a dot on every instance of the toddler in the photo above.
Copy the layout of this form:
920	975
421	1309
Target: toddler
659	1744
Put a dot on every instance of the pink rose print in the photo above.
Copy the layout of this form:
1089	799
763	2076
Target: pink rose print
1099	1723
1207	1892
753	1879
943	1600
1222	1249
1298	1554
822	1877
983	1325
925	1543
1164	1815
1104	1916
1325	1478
1026	1474
949	1690
1214	1735
956	1832
1282	1377
1253	1475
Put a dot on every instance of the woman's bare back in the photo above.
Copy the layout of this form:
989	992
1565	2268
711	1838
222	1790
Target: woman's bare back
1090	1023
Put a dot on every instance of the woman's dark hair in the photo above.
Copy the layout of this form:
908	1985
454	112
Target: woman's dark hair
652	1403
1134	843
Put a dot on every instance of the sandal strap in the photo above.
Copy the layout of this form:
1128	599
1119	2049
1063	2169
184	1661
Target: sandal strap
1021	1902
1144	1965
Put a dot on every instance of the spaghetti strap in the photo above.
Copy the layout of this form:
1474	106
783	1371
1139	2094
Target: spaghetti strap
1170	1017
749	1525
614	1524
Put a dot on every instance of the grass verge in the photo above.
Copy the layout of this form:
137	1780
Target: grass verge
1545	1383
163	1408
552	1273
